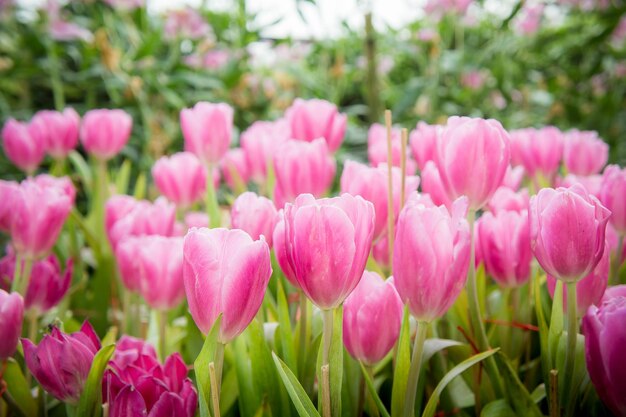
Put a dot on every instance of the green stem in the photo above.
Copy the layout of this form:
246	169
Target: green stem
55	77
212	205
414	370
17	273
22	286
616	261
373	409
70	410
100	200
162	315
327	339
303	331
569	388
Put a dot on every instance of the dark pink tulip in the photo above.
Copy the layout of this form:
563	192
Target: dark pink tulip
234	166
539	151
11	317
64	184
377	151
567	231
22	145
58	130
372	315
255	215
225	272
37	218
476	146
181	178
585	153
105	132
61	362
259	143
431	257
313	119
423	141
604	330
590	289
327	243
613	196
372	184
280	250
593	183
504	242
7	188
432	185
302	167
207	129
505	199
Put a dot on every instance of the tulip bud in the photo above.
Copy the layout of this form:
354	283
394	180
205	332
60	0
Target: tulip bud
423	141
592	183
181	178
22	145
280	250
7	188
61	362
584	153
313	119
505	199
259	143
207	129
567	231
377	150
372	315
58	130
126	258
513	177
234	167
539	151
432	185
225	272
255	215
105	132
613	196
11	317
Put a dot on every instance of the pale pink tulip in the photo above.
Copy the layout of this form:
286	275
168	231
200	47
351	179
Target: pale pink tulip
313	119
104	132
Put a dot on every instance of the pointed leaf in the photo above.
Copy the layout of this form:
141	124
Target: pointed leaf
201	367
90	403
401	371
432	346
284	327
372	390
18	388
336	362
518	397
300	400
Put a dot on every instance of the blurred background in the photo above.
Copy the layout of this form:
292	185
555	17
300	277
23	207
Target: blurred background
523	62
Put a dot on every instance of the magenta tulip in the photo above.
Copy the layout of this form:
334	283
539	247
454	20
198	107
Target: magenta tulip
234	166
585	153
539	151
280	250
11	317
432	185
327	243
505	199
255	215
613	196
207	129
302	167
377	151
225	272
59	130
105	132
372	315
604	330
22	145
313	119
476	146
181	178
567	231
423	141
431	257
61	362
7	188
259	143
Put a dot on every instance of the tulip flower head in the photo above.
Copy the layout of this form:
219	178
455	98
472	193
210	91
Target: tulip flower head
423	141
105	132
181	178
259	143
58	130
11	317
23	145
613	196
255	215
585	153
313	119
207	129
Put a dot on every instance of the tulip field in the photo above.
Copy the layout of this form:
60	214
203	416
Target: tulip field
304	255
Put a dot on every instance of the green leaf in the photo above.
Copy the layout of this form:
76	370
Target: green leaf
90	403
82	167
140	186
18	388
401	371
498	408
284	327
201	367
432	346
229	391
248	400
518	397
300	400
122	177
373	393
110	337
336	362
431	406
556	321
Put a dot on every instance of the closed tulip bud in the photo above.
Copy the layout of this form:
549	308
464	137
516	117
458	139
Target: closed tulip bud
59	130
372	315
280	250
513	177
476	146
116	208
567	231
504	242
613	196
181	178
255	215
105	132
327	243
7	188
431	257
313	119
584	153
539	151
592	183
235	169
377	151
11	317
380	251
590	289
61	362
64	184
423	141
207	130
22	145
127	262
259	143
47	285
302	167
432	185
505	199
604	330
196	219
225	272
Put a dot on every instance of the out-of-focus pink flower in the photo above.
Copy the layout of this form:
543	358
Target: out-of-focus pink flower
23	145
505	199
313	119
530	19
181	178
105	132
585	153
438	8
260	142
423	141
64	31
613	196
207	129
58	130
7	189
186	23
377	151
619	34
196	219
126	257
592	183
126	5
63	184
513	177
255	215
280	250
432	185
235	170
214	59
539	151
427	35
474	80
11	317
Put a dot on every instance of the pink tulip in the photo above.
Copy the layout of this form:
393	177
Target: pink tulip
423	142
613	240
504	242
105	132
255	215
377	151
126	256
372	315
372	184
530	19
539	151
7	188
181	178
207	129
567	231
11	317
613	196
225	272
58	130
280	250
585	153
63	184
590	289
505	199
473	156
37	218
22	145
186	23
380	251
313	119
235	169
432	185
592	183
196	219
61	362
302	167
259	143
115	209
513	177
327	243
431	257
604	330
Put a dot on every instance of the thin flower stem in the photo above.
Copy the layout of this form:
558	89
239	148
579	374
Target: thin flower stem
17	274
25	276
213	208
390	217
569	388
219	363
414	370
303	330
162	314
327	336
215	394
